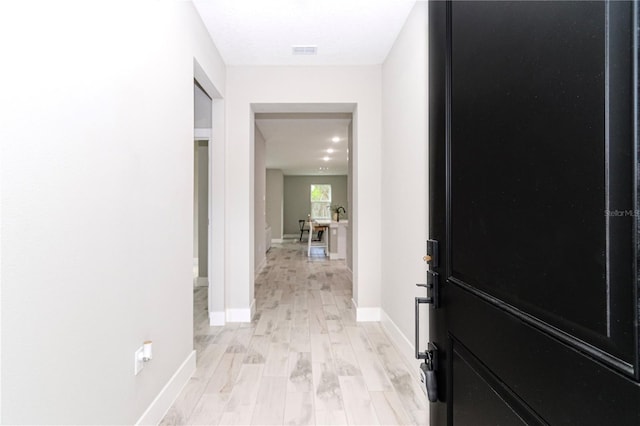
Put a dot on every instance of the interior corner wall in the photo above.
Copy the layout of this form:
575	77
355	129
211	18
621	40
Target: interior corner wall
405	164
259	201
196	172
97	204
247	85
350	197
297	197
274	202
217	231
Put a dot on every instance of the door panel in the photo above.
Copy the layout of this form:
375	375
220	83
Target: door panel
533	200
471	389
527	145
516	121
558	383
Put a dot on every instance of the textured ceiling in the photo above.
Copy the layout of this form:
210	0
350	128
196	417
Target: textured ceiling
297	143
261	32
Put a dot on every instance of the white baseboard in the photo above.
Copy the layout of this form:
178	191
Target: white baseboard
336	256
161	404
401	342
366	314
217	318
243	314
291	236
202	282
277	241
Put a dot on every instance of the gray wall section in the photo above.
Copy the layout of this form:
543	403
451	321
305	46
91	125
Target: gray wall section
297	203
274	202
259	200
202	108
203	207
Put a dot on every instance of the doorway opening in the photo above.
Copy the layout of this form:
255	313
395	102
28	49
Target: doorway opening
296	146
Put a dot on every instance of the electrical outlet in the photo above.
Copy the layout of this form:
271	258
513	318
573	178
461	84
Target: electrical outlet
138	362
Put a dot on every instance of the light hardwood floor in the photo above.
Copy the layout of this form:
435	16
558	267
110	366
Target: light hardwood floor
303	360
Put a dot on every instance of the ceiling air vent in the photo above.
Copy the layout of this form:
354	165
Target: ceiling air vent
305	50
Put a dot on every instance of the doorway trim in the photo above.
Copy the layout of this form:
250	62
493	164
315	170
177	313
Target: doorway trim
362	313
202	135
216	300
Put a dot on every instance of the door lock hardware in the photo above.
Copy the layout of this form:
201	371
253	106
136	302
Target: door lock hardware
428	372
432	254
419	301
432	284
433	290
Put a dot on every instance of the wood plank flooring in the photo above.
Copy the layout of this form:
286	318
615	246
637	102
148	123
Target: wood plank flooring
303	360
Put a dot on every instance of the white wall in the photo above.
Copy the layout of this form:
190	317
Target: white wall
404	174
259	203
360	85
274	202
97	186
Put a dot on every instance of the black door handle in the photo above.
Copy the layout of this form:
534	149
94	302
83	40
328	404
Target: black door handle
419	301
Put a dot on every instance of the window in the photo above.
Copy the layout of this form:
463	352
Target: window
320	201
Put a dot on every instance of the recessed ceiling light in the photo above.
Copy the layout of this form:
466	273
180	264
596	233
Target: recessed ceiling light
335	139
330	150
326	158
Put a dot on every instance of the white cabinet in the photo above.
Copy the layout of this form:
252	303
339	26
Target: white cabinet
338	239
